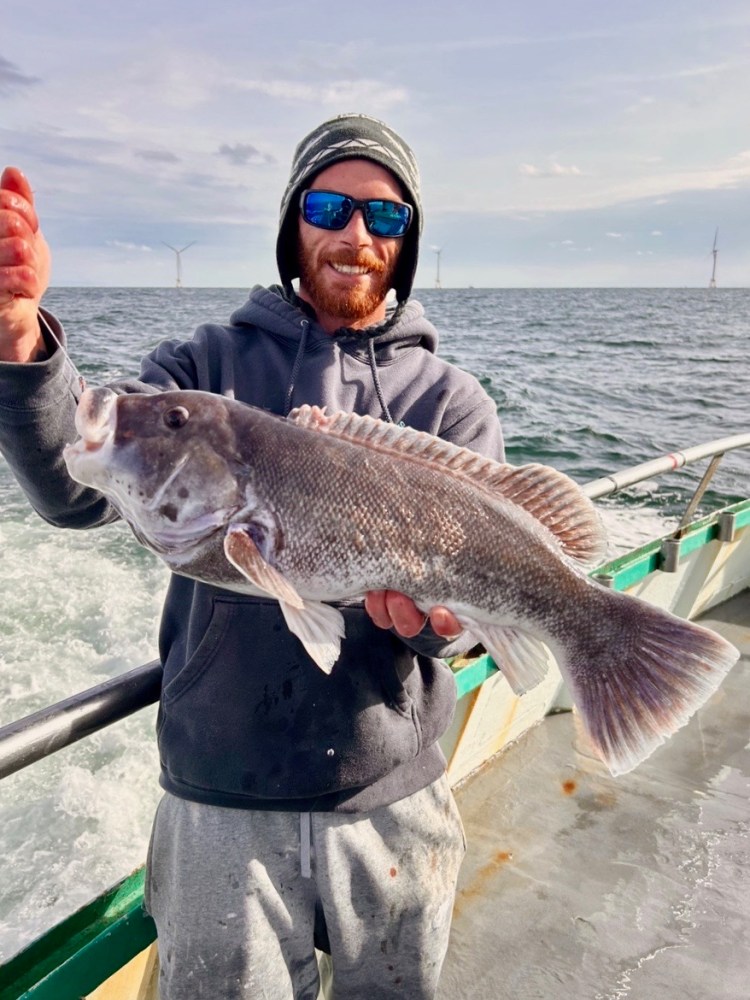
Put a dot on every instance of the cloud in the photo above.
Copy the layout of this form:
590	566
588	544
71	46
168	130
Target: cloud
243	153
336	93
157	156
120	245
555	169
11	77
687	73
642	102
656	232
614	236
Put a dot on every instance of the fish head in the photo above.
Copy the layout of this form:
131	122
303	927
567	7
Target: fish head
167	461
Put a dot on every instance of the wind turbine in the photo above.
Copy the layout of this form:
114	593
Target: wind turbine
438	251
715	251
178	255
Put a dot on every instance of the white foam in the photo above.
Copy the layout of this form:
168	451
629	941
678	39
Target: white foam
630	527
78	609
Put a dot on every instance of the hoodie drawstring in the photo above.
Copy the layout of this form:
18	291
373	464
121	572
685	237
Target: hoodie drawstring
305	324
297	365
376	381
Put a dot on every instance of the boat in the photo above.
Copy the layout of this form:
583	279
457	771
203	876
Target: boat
574	883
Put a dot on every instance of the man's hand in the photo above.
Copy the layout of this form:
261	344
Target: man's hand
24	269
390	609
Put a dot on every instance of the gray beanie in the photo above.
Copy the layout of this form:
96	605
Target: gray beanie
348	137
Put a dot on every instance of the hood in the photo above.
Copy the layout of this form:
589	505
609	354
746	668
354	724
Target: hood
351	136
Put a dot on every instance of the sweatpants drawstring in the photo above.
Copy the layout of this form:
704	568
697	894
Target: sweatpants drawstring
305	845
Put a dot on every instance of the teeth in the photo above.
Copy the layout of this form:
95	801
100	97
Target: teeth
350	269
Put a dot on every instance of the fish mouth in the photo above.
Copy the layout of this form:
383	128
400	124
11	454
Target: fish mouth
95	417
95	424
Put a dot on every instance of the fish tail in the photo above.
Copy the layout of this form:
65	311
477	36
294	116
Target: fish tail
638	673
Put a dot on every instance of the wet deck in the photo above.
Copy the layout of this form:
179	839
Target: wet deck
584	886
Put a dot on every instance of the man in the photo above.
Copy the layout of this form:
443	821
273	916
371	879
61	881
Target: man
299	809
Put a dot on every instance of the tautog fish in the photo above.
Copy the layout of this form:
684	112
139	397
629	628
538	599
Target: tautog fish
317	508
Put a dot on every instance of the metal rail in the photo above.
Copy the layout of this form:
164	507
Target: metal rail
658	466
44	732
50	729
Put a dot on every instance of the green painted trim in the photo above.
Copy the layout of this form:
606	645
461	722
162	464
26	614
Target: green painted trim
474	674
635	566
82	951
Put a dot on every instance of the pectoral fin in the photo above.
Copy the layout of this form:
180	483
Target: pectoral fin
319	627
242	552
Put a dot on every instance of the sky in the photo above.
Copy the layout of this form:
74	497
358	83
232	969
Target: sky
576	144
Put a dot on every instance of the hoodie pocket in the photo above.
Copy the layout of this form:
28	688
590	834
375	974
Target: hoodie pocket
251	714
213	639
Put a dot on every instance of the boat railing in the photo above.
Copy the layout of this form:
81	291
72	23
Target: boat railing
27	740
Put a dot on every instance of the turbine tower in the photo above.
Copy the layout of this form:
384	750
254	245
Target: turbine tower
438	251
715	251
178	256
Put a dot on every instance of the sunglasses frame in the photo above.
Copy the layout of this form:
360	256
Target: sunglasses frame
356	203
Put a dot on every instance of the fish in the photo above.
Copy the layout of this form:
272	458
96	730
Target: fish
318	508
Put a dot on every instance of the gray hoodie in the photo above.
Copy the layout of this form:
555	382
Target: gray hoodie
245	718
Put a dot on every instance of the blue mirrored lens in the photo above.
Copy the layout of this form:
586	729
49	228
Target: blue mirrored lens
326	209
331	210
387	218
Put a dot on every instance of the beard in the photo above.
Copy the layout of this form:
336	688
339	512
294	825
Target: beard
352	304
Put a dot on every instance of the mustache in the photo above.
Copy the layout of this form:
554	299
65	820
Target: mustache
357	258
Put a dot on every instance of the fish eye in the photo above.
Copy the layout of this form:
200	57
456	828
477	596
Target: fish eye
176	417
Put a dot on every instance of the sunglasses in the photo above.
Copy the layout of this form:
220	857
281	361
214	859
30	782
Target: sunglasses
331	210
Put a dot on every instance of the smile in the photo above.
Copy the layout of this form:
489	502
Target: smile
350	269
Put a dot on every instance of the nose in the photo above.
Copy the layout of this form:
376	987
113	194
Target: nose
356	231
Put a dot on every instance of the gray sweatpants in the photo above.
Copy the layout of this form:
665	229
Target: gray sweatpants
241	898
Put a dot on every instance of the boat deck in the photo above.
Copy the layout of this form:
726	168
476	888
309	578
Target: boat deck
580	885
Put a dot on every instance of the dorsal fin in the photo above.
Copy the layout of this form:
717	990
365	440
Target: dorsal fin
555	500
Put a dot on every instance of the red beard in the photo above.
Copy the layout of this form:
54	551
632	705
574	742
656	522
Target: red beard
352	304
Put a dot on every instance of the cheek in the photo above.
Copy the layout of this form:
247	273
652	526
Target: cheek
309	240
309	250
392	252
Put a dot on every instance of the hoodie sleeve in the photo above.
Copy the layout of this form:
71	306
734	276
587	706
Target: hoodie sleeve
37	419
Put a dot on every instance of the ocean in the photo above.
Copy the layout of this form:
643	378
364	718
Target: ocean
590	381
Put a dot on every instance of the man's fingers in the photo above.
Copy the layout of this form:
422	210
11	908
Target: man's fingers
24	254
407	619
376	609
18	281
445	623
16	196
391	609
15	180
